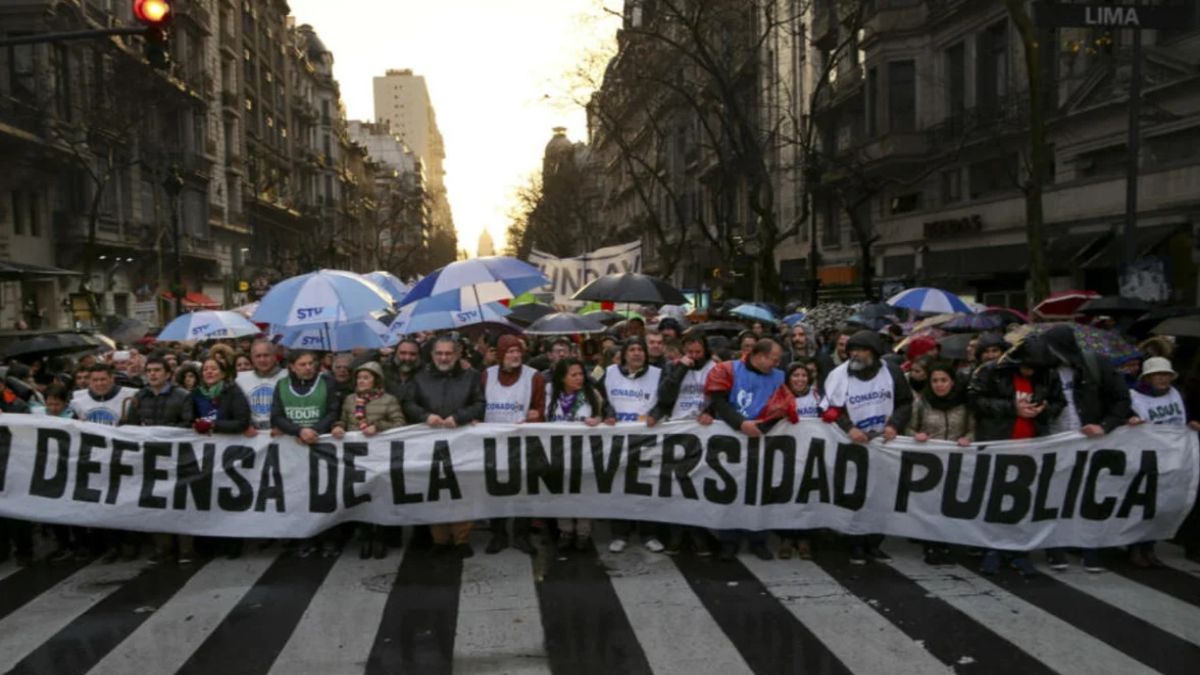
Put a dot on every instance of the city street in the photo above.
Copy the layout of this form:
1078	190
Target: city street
636	612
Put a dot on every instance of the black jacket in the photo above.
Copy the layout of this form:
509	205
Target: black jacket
456	393
1101	394
172	408
233	410
668	389
16	405
333	406
993	399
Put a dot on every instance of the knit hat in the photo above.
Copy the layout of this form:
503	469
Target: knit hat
919	346
507	342
865	339
1156	365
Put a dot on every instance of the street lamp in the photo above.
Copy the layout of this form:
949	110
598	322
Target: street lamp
173	184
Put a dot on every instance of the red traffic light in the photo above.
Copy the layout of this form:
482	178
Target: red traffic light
152	12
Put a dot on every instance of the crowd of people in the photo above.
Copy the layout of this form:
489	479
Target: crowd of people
851	377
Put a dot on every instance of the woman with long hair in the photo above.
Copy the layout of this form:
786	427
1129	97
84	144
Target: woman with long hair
573	397
219	407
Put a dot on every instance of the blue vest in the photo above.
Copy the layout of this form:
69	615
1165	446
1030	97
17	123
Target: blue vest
752	390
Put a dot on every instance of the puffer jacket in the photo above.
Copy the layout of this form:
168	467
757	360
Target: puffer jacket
941	425
384	413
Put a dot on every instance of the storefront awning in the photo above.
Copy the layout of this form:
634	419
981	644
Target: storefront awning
194	300
1146	241
11	270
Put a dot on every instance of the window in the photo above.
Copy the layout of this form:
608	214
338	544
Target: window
902	96
872	102
993	175
905	203
951	186
1110	161
992	66
20	213
831	229
956	80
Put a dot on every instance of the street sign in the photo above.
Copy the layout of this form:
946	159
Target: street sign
1111	16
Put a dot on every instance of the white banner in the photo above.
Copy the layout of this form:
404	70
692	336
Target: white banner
1136	484
568	275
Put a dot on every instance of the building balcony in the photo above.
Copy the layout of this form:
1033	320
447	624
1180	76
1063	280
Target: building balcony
21	121
894	16
194	12
230	101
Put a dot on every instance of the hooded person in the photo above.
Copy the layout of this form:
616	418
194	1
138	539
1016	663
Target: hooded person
990	347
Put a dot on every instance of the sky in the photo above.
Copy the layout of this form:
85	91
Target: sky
497	72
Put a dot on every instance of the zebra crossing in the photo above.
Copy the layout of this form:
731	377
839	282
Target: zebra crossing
636	612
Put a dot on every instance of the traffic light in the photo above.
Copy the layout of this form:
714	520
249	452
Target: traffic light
156	14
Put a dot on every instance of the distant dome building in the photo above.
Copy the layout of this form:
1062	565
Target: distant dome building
486	246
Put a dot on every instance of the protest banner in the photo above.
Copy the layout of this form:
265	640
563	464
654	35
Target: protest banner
568	275
1136	484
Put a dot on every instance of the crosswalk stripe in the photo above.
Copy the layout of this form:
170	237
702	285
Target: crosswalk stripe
250	636
25	584
174	630
1165	612
578	604
1038	633
499	621
8	569
1177	583
767	635
44	616
658	600
335	634
863	639
84	641
949	634
1173	556
416	630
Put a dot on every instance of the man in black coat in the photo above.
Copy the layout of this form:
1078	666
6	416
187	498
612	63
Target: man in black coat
160	403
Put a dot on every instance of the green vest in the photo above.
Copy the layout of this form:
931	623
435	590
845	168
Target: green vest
304	410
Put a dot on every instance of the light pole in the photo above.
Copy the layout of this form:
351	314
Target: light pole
173	184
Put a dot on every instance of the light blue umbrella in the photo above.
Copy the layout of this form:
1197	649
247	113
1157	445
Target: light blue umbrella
209	325
793	319
479	281
755	312
931	301
325	297
390	283
340	337
434	314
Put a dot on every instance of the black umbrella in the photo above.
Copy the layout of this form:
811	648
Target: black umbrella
51	344
124	329
529	312
875	310
1180	326
1113	305
565	323
954	347
1145	324
631	288
719	328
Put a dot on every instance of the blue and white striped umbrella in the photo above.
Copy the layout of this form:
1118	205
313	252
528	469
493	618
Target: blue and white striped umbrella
209	325
325	297
479	281
444	311
390	283
340	337
931	301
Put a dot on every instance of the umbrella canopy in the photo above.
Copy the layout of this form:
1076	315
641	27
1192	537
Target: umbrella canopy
719	328
1145	324
565	323
1115	305
426	315
207	326
527	313
872	322
930	301
246	310
603	315
1180	326
794	318
1063	305
876	309
954	347
322	297
1009	316
828	316
390	283
631	287
124	329
754	312
973	323
1106	343
479	281
365	333
52	344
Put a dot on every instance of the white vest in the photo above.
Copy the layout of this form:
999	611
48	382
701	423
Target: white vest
868	404
632	399
691	397
508	405
110	412
259	392
1069	419
808	405
1166	409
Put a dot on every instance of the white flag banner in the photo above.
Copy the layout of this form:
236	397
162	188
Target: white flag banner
568	275
1136	484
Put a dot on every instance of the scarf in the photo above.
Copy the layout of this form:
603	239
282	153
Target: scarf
211	392
955	398
569	404
361	399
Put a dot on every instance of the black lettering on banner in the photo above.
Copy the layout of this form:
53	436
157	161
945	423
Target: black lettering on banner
322	500
847	454
968	509
491	472
1146	498
605	468
1045	476
547	470
270	481
731	449
51	487
1073	484
753	455
241	498
575	474
635	462
441	473
400	495
5	448
909	483
1114	462
784	448
679	468
152	474
1018	487
194	476
85	466
816	475
117	468
352	474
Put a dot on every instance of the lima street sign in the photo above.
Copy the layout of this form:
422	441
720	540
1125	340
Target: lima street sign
1111	16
